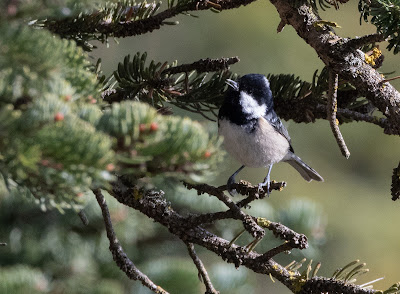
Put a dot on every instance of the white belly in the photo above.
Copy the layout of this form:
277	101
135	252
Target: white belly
260	148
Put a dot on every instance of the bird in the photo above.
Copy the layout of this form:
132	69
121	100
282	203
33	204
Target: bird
253	133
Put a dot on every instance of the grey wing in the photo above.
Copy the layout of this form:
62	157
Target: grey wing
276	122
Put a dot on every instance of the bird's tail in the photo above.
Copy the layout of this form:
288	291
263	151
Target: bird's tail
307	172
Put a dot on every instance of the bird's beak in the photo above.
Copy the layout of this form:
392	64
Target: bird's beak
233	84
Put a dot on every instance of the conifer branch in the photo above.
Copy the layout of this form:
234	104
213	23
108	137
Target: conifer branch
119	256
204	65
351	64
385	16
154	205
314	285
295	99
92	26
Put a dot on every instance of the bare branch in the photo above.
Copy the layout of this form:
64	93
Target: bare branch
243	188
202	270
275	251
248	222
294	240
119	256
332	109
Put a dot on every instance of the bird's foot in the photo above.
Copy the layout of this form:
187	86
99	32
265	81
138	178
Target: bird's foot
231	190
267	189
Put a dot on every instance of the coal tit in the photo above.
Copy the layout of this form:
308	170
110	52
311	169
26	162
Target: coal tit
253	133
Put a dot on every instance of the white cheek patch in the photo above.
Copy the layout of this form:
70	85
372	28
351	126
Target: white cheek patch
250	106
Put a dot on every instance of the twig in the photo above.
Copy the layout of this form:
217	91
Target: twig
357	116
204	65
395	189
243	188
119	256
202	270
295	240
252	191
332	109
248	222
389	79
281	26
358	42
275	251
83	217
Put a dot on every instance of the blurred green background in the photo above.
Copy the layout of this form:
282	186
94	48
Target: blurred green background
358	219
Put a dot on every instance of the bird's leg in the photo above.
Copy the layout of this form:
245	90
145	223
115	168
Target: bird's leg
266	181
231	181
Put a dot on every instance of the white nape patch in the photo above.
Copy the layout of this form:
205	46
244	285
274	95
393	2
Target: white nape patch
250	106
260	148
266	82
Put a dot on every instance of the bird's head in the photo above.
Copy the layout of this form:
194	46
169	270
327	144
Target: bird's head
254	94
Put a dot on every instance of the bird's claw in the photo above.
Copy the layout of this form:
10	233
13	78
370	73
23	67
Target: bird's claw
261	187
